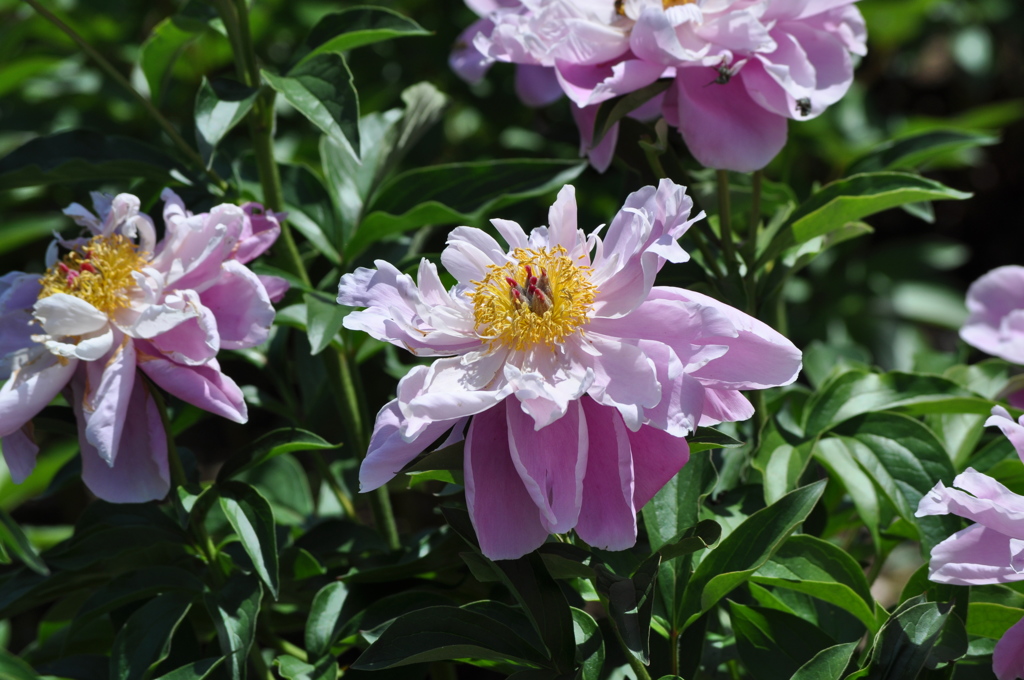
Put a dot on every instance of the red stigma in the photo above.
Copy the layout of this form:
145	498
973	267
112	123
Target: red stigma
87	267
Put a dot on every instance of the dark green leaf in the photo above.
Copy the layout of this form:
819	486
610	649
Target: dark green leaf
915	149
138	584
991	620
285	440
13	539
252	519
630	605
589	645
158	54
83	155
443	633
705	534
612	111
919	634
198	670
748	547
323	321
321	89
221	104
773	644
458	193
673	510
325	668
324	621
706	438
234	608
310	210
145	638
14	668
828	664
358	26
850	199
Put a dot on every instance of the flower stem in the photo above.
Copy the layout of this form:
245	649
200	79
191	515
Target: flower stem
320	463
165	124
725	220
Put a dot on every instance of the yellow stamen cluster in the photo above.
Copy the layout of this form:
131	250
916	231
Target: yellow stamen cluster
540	298
620	5
99	272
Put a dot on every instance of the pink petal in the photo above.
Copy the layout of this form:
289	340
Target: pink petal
203	386
259	231
682	396
607	518
1013	430
589	85
974	556
389	452
504	515
996	321
31	387
723	127
536	85
108	387
657	458
465	59
140	472
453	388
551	463
240	303
194	341
275	286
562	229
1008	656
724	406
600	156
986	502
201	243
549	386
19	451
623	377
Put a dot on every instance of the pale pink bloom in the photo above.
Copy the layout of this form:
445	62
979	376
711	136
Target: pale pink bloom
996	321
578	377
740	68
1008	656
116	301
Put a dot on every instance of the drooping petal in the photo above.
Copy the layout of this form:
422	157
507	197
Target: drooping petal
204	386
505	517
140	472
194	341
607	517
1013	430
986	501
275	285
603	152
259	232
536	85
61	314
724	406
241	305
1008	656
453	388
466	60
36	378
657	458
19	451
973	557
389	452
105	398
551	463
722	126
682	396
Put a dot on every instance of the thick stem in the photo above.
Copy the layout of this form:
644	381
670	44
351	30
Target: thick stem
164	124
673	641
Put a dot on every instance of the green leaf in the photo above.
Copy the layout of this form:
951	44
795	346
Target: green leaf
443	633
705	534
83	155
610	112
14	540
198	670
357	26
828	664
904	460
630	605
252	518
918	634
14	668
850	199
673	510
749	546
707	438
221	104
773	644
310	209
324	621
913	150
458	193
135	585
991	620
325	668
857	392
145	638
163	47
18	232
820	569
589	645
285	440
321	89
234	608
323	321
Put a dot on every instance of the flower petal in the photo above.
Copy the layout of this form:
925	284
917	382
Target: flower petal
974	556
140	472
275	286
19	453
61	314
535	85
551	462
240	303
607	518
657	458
1008	656
204	386
504	515
194	341
453	388
1013	430
986	501
624	377
996	321
36	379
108	388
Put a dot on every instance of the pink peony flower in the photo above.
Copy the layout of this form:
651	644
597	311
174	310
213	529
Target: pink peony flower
578	377
117	301
989	551
740	68
996	321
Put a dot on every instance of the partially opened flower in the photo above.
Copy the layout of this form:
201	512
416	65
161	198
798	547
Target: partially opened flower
577	377
992	549
996	321
116	301
740	68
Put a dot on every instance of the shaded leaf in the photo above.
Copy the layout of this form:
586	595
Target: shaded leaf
705	534
991	620
773	644
919	634
589	645
612	111
234	609
323	321
145	638
828	664
324	623
630	605
357	26
915	149
252	518
198	670
163	47
13	539
221	104
285	440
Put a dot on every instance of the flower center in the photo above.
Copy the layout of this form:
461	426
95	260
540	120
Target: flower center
620	5
541	297
99	272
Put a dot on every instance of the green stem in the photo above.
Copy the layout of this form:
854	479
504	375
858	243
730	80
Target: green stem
320	463
282	645
673	641
256	658
725	220
755	207
165	124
